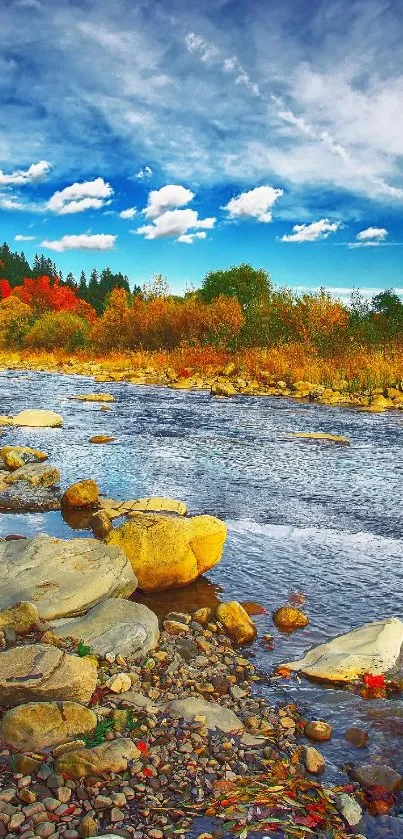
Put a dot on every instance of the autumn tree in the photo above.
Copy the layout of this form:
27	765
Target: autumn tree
243	282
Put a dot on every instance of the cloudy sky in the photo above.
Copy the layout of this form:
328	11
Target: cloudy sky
171	137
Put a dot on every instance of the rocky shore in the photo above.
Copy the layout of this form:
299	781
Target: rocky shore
231	379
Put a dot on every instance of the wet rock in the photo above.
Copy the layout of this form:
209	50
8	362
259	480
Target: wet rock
94	397
203	615
114	626
370	775
223	388
318	435
22	497
357	737
100	524
40	671
167	552
38	419
21	617
62	577
373	648
313	760
101	438
349	808
216	716
288	618
109	757
318	730
36	726
175	627
35	474
81	494
236	621
158	504
14	457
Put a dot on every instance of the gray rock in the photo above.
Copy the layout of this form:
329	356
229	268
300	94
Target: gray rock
378	774
36	474
114	626
22	497
216	717
349	808
63	577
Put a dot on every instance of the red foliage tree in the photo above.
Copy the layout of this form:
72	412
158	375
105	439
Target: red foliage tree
44	294
5	289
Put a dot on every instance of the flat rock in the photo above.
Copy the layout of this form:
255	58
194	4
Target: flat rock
373	648
169	552
112	756
94	397
22	497
36	726
114	626
217	717
349	808
62	577
37	672
319	435
35	474
38	419
158	504
15	456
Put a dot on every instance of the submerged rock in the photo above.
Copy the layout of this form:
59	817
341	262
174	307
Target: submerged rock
318	730
40	671
63	577
36	726
379	775
94	397
167	552
373	648
319	435
115	626
289	618
157	504
38	419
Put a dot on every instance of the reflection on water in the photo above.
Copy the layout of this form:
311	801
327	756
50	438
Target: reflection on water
199	594
322	520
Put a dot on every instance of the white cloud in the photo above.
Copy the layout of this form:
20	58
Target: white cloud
129	213
312	232
207	51
166	198
175	223
80	196
255	203
145	172
95	242
20	238
10	203
189	238
35	172
378	233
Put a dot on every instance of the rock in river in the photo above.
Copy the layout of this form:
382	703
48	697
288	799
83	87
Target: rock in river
373	648
22	497
37	672
36	726
62	577
38	419
35	474
115	626
170	552
81	495
289	618
15	456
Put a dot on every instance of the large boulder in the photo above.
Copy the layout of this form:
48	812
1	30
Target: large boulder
37	672
38	419
63	577
35	474
168	552
216	716
81	495
21	617
109	757
15	456
373	648
115	626
36	726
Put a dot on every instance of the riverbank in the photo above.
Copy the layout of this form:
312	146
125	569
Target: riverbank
367	381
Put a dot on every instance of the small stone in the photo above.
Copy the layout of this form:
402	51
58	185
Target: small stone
287	722
102	802
203	616
313	760
357	737
155	834
175	627
181	617
116	815
288	618
63	794
100	524
88	827
119	683
318	730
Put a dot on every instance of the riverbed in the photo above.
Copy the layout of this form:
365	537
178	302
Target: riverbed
310	517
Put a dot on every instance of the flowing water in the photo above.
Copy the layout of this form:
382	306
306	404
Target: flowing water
317	518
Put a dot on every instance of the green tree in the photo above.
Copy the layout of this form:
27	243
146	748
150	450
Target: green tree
249	285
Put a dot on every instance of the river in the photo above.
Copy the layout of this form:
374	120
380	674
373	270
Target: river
317	518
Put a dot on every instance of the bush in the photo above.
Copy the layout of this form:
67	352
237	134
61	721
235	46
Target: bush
15	319
55	330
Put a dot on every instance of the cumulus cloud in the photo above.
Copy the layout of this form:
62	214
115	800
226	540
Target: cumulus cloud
145	172
312	232
175	223
255	203
129	213
371	237
7	203
189	238
35	172
83	241
20	238
80	196
167	198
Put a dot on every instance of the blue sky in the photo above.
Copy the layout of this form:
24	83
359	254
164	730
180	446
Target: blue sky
224	132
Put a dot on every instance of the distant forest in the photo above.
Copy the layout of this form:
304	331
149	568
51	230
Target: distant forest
94	289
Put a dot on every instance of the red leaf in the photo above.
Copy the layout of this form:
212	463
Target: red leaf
372	681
